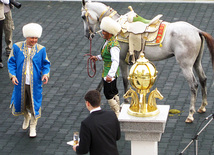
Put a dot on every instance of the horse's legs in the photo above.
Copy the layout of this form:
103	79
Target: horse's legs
100	86
187	68
188	54
125	72
203	79
189	75
124	67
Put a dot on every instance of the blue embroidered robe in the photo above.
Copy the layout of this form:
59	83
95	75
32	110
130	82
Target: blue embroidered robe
39	66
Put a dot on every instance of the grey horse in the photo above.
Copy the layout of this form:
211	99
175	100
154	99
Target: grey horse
182	40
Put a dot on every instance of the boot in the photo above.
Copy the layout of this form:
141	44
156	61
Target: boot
27	117
117	98
114	106
33	124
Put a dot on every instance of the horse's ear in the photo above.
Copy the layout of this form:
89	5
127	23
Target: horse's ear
83	3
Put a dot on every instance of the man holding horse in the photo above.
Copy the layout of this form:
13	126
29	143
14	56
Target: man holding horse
110	54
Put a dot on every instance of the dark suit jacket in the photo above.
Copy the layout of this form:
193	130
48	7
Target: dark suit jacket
99	133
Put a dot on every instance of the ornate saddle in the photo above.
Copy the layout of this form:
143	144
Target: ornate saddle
139	32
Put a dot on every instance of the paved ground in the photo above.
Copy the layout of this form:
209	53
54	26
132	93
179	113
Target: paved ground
63	104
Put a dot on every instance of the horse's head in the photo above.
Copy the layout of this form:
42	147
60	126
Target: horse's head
128	93
157	94
93	13
90	19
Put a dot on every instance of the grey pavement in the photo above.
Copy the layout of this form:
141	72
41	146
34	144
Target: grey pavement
63	106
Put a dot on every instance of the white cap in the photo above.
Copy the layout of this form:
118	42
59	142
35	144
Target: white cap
109	25
32	30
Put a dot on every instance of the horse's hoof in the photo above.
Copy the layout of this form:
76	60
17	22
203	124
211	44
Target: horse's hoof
201	111
188	120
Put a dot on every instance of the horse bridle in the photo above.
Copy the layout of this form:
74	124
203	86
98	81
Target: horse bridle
86	16
103	14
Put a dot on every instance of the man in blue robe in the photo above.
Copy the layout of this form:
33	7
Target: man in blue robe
28	67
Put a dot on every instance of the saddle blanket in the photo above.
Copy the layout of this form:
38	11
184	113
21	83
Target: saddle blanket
160	35
152	38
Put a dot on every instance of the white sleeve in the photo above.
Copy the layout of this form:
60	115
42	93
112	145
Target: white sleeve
5	1
99	57
115	58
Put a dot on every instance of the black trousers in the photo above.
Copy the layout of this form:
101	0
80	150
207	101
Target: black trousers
1	32
28	100
110	89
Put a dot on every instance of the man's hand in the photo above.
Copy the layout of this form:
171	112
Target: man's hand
108	79
74	147
15	80
93	58
45	79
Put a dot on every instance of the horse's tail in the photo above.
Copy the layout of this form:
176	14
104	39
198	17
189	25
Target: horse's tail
210	44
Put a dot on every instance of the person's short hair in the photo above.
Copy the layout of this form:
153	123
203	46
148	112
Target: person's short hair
93	97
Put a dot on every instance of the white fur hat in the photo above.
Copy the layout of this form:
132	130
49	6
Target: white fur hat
110	26
32	30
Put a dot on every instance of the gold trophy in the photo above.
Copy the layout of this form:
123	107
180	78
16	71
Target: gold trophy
142	76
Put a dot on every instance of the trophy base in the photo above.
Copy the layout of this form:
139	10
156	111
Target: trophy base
145	114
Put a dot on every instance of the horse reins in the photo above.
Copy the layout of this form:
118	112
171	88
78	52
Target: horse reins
91	62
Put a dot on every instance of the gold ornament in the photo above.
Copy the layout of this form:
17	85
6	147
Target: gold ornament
142	77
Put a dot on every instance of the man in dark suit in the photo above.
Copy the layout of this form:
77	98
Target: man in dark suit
100	130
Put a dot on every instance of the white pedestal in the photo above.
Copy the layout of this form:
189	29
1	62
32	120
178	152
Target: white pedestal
143	132
144	148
